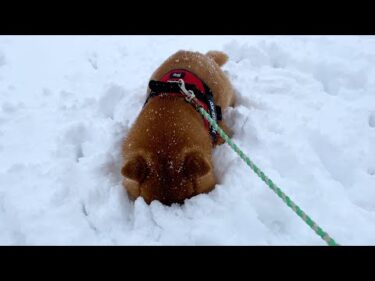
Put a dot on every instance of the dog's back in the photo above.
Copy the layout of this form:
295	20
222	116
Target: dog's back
207	68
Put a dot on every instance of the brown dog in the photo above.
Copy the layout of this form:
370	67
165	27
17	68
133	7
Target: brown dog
167	153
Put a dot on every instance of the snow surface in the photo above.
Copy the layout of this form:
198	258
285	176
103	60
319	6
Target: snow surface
305	114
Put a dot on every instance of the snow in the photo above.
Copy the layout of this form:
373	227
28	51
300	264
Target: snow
305	114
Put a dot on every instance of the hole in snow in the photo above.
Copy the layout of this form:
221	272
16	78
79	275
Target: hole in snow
84	210
371	120
371	171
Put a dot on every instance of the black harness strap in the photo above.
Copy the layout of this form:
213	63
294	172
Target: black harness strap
159	88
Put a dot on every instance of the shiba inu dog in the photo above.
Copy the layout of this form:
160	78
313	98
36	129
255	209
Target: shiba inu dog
167	152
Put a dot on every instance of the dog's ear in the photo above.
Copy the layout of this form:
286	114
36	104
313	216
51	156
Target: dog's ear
219	57
135	169
196	165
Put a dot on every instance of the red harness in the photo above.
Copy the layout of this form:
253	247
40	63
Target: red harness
200	89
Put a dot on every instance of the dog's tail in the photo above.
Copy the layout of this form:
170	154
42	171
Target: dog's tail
219	57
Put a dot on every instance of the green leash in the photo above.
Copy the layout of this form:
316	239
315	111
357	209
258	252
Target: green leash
318	230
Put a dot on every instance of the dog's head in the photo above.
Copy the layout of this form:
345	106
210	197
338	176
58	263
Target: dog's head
168	179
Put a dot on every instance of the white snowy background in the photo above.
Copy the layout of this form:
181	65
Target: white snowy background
305	114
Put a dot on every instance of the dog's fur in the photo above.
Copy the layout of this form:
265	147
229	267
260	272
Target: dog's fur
167	153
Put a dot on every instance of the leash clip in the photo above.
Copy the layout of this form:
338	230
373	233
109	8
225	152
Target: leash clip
188	93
